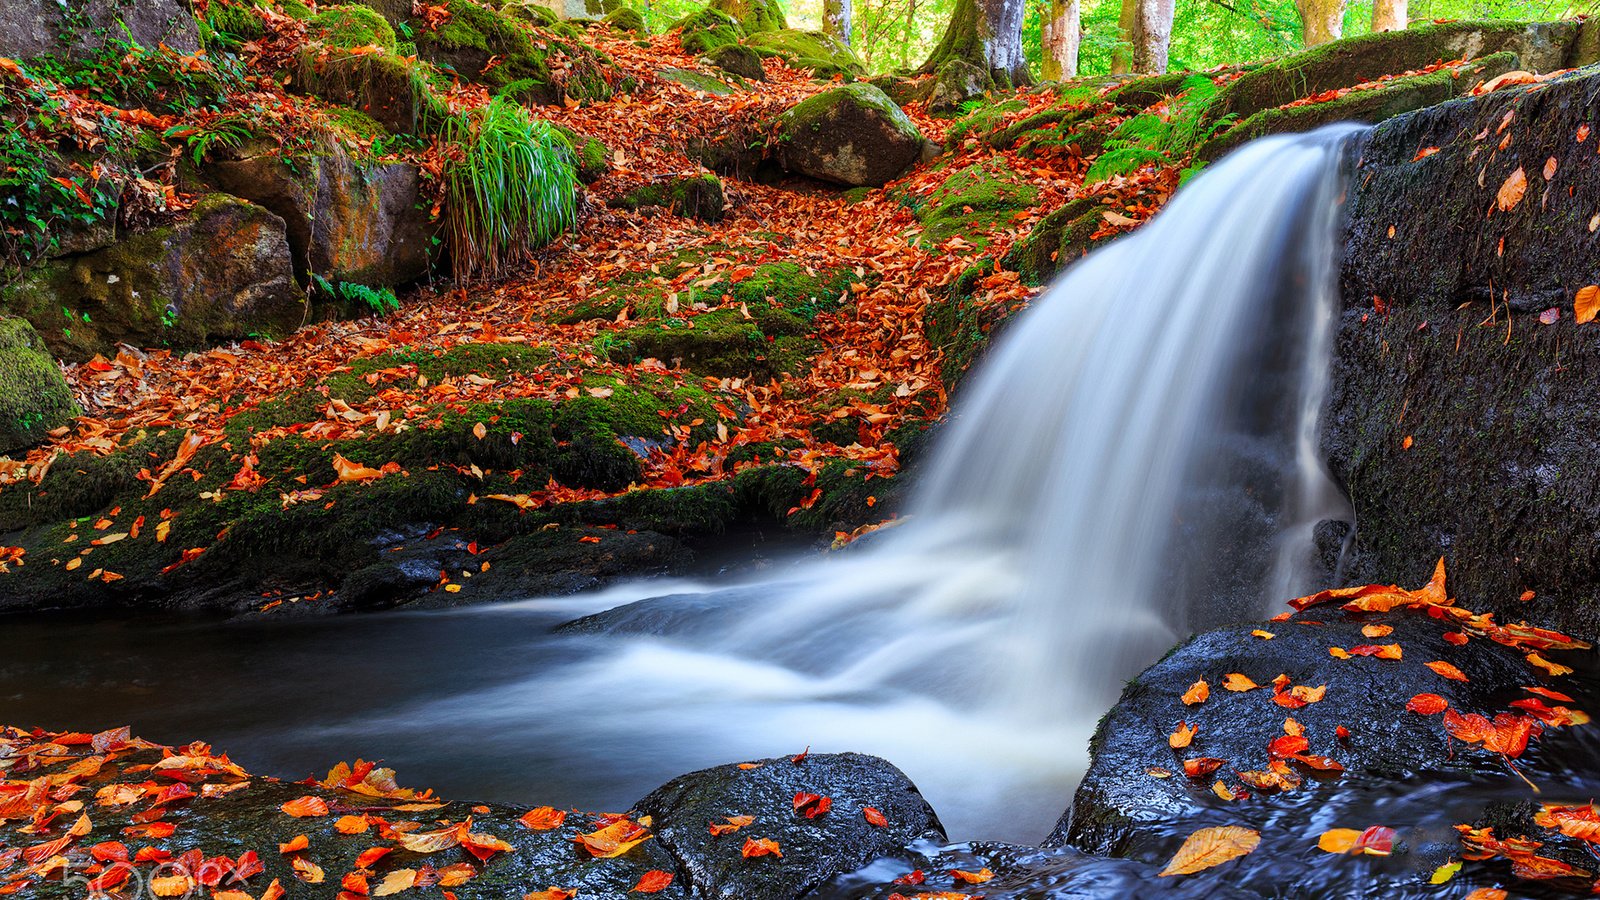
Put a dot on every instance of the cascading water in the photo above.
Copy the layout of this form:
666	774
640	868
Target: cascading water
1136	458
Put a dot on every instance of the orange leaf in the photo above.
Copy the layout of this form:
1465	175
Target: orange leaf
1511	191
1446	670
306	807
1201	766
734	823
295	844
1233	681
351	824
978	877
760	847
1427	704
1181	736
543	818
1586	304
1210	847
651	882
1197	693
874	817
613	840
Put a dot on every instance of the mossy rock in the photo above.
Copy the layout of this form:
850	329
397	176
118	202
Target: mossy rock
755	16
396	92
1134	94
1370	106
592	156
1056	120
971	202
903	90
739	60
959	328
983	121
351	27
237	20
707	29
34	398
720	343
697	81
1542	46
1056	241
492	48
819	53
531	12
956	84
852	135
627	19
693	196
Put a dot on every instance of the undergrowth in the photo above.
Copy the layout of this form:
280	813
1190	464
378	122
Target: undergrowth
1166	137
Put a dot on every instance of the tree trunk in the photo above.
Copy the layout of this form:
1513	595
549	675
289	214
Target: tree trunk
988	34
1321	21
1389	15
1152	35
908	34
1127	26
836	20
1059	32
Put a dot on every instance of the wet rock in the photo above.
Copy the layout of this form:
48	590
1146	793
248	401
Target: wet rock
34	398
1058	240
852	135
32	28
814	849
1456	419
346	220
223	272
1136	801
737	59
692	196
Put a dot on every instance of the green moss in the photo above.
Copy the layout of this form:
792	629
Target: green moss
1058	239
392	90
592	156
813	50
627	19
351	27
720	343
755	16
971	202
492	48
697	81
983	120
34	398
240	21
695	196
355	125
533	13
707	29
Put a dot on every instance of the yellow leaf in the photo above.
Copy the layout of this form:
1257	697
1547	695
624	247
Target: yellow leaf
1587	303
1233	681
395	882
1445	872
1211	847
1338	840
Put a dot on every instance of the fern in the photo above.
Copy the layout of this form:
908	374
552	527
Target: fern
226	132
1162	138
379	301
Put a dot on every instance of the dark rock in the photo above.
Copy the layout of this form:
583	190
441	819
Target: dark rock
34	398
1441	348
32	28
957	83
395	92
852	135
224	272
814	849
346	219
1058	240
1126	807
739	60
692	196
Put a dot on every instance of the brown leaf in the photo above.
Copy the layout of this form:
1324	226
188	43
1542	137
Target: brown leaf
1511	191
1210	847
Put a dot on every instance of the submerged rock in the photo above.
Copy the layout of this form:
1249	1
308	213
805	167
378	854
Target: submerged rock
818	838
852	135
1457	417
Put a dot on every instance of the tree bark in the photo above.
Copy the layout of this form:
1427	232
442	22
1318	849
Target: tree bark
988	34
1389	15
836	20
1060	33
1321	21
1152	35
1127	26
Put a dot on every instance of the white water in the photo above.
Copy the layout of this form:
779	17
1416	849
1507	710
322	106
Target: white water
1066	534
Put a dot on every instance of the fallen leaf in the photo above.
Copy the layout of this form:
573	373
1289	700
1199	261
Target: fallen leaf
1511	190
1181	736
1233	681
652	882
1197	693
543	818
760	847
1210	847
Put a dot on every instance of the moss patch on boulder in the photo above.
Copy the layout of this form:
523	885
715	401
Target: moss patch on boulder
694	196
34	398
824	56
755	16
972	202
707	29
737	59
351	27
852	135
627	19
489	47
1057	240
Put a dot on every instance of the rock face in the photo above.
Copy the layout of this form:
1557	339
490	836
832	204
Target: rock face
345	220
815	848
1457	420
30	28
222	273
852	135
1136	802
34	398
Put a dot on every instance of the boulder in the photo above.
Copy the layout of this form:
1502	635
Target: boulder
490	47
34	398
223	272
1136	801
692	196
628	19
347	219
707	29
823	56
754	15
817	842
737	59
1057	240
956	83
32	28
852	135
1457	418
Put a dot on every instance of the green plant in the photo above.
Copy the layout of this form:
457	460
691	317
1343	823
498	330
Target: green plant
228	132
380	301
1166	135
511	187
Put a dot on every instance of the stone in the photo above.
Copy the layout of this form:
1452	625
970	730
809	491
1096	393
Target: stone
737	59
707	29
34	398
692	196
820	54
956	83
754	15
627	19
852	135
223	272
33	28
815	848
347	220
1457	421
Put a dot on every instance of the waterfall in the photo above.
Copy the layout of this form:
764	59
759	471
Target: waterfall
1135	459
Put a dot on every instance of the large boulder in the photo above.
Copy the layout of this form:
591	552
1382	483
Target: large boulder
223	272
755	15
817	841
346	219
34	398
32	28
1349	751
852	135
1458	419
820	54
